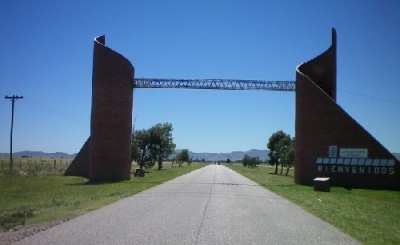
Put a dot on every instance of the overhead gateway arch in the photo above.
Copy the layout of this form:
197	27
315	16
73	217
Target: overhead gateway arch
329	143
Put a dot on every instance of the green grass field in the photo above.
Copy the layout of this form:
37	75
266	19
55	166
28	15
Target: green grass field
370	216
43	194
35	165
36	192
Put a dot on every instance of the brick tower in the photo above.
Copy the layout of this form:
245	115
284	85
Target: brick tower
106	155
329	142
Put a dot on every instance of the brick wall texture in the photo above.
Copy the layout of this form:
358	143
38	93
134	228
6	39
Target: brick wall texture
107	154
322	123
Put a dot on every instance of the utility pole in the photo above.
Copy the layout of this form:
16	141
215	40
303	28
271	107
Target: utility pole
13	99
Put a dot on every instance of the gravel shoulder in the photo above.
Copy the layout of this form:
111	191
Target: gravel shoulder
20	232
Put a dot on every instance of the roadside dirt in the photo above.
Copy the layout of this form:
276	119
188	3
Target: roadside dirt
20	232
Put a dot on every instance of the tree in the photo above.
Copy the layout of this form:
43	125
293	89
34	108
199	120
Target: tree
245	160
277	145
288	156
161	142
151	145
140	147
182	157
250	161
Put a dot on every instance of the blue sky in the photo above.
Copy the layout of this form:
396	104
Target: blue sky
46	56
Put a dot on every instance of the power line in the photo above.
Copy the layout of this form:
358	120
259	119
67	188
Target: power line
370	97
56	112
51	110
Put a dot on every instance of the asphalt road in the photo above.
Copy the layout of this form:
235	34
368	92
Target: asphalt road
212	205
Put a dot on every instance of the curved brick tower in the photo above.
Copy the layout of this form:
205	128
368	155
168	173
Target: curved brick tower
329	142
106	156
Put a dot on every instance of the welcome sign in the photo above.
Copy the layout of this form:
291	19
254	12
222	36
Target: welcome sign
350	152
353	161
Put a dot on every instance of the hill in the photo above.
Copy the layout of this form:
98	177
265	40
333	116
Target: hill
233	156
39	154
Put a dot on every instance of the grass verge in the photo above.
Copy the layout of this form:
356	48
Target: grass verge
370	216
38	198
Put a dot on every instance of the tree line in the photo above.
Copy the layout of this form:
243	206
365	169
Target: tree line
281	152
152	145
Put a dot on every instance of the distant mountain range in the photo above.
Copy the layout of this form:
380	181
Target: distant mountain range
233	156
39	154
238	155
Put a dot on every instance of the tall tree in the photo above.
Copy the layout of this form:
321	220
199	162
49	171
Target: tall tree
277	145
288	156
140	147
154	144
162	144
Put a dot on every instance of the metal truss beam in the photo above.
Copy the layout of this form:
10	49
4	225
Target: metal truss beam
222	84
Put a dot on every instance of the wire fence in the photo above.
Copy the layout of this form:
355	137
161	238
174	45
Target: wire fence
29	166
